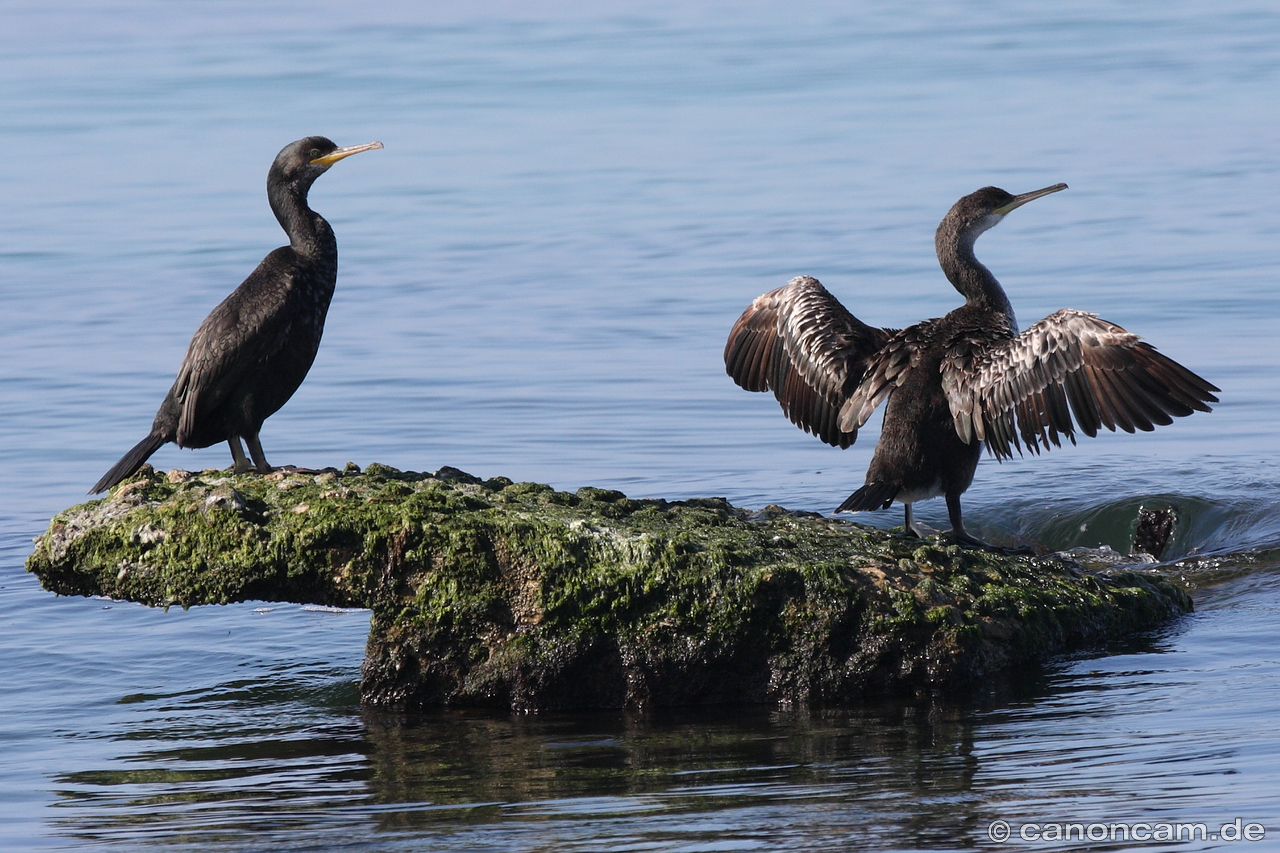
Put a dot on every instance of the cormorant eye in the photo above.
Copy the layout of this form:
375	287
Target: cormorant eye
315	152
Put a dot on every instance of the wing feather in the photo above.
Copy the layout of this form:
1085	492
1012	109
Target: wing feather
245	328
1070	363
800	343
888	369
1082	403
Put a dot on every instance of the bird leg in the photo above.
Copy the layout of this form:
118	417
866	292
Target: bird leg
957	525
962	536
241	464
259	458
913	528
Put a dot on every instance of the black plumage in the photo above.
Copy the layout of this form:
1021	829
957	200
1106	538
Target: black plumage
252	352
955	382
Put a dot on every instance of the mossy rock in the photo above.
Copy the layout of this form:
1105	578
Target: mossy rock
515	595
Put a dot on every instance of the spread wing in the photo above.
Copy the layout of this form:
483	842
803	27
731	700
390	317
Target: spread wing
245	328
1070	363
803	345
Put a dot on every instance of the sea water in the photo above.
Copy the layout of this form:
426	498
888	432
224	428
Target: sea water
537	276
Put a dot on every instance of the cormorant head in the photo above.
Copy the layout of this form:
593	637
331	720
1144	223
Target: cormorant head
299	163
981	210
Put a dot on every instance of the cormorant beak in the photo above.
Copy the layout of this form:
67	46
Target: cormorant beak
1018	200
338	153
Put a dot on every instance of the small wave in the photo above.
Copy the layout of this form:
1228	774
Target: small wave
1211	539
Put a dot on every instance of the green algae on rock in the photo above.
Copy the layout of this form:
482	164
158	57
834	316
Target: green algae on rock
505	594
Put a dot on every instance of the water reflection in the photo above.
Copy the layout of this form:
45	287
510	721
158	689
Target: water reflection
627	780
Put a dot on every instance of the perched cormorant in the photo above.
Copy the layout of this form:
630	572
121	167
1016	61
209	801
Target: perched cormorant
253	351
954	382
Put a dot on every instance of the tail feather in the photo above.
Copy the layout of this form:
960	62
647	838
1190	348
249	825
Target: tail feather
130	462
870	496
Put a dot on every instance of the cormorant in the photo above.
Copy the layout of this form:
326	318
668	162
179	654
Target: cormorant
253	351
954	382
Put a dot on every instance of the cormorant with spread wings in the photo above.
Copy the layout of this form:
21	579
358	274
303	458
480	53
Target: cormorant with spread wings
955	382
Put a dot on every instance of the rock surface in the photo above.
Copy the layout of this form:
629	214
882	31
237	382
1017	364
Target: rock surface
504	594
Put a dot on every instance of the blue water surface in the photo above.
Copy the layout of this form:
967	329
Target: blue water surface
537	276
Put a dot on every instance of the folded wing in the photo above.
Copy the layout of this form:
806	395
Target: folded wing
245	328
1026	389
800	343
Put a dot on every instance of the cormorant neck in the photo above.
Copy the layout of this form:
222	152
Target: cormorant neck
967	274
309	234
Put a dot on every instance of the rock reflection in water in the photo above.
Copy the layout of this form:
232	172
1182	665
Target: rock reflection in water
904	776
899	771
